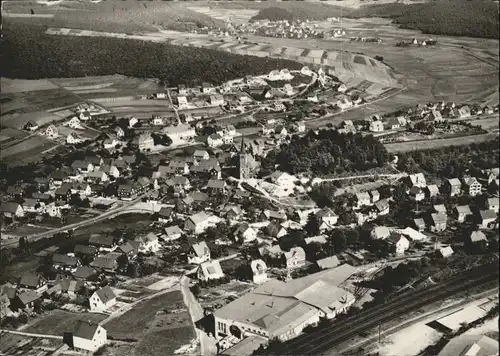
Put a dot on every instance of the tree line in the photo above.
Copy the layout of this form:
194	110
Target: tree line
29	53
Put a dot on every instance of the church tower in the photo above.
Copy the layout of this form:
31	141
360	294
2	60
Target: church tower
246	162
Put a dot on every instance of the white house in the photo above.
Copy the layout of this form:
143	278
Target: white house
216	100
295	258
88	337
74	123
259	271
132	121
492	204
102	299
73	138
173	233
182	102
110	143
146	142
12	209
201	155
376	126
149	243
245	233
198	222
327	218
446	251
398	243
215	140
199	253
179	132
52	132
209	270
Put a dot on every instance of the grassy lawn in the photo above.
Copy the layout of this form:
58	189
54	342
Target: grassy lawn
57	321
164	342
138	319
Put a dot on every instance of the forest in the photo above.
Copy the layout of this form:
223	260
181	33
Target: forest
292	10
329	152
452	161
476	18
28	53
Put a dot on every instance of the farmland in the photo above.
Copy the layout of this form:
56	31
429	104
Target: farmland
26	150
431	144
58	321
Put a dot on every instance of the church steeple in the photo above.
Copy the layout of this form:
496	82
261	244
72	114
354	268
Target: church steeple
242	148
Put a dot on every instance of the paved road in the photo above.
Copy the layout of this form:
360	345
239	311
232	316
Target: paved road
30	334
107	215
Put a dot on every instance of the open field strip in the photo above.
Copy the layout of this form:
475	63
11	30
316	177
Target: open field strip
437	143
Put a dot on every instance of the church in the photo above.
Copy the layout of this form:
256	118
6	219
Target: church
247	163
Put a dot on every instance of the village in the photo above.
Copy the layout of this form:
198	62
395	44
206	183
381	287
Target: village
211	216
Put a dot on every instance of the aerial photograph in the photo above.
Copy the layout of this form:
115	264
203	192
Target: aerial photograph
249	177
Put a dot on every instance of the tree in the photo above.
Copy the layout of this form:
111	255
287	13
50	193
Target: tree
122	261
312	225
338	241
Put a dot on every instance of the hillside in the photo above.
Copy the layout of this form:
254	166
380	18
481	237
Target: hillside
476	18
28	53
115	16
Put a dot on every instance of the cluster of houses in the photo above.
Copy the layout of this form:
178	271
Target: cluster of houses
281	29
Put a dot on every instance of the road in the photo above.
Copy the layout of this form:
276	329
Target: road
107	215
321	341
30	334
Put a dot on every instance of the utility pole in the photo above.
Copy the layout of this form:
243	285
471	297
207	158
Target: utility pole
379	328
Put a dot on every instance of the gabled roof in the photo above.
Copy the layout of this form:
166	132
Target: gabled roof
477	236
30	280
271	214
64	260
381	205
9	207
201	248
419	222
105	262
325	213
381	232
216	184
212	269
328	262
84	272
101	240
488	214
105	294
296	252
28	296
463	209
85	329
439	208
126	248
493	201
454	182
165	212
173	230
321	239
438	218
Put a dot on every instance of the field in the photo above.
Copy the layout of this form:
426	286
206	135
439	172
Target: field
13	272
431	144
491	123
58	321
10	86
13	344
26	150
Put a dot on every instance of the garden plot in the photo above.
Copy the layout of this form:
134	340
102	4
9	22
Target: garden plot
57	321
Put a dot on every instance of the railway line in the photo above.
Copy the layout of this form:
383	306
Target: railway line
321	341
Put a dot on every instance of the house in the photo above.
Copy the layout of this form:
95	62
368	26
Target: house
173	233
464	112
461	212
259	271
300	126
487	218
199	155
375	196
416	180
216	100
107	263
432	190
103	242
12	210
328	262
446	252
327	218
362	199
146	142
439	208
97	177
32	282
453	186
245	233
182	102
345	103
438	222
198	253
206	88
288	89
376	126
84	273
102	299
149	243
198	222
74	138
165	214
25	300
174	167
52	132
215	140
471	186
477	236
42	183
120	133
216	186
4	306
65	263
82	166
87	337
74	123
83	251
295	258
181	89
232	212
398	243
31	206
416	193
30	126
435	115
273	215
57	177
393	124
320	239
380	233
419	224
274	229
280	131
85	115
43	199
68	286
209	270
492	204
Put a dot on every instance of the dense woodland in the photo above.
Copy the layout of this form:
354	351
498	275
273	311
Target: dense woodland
329	152
294	10
454	18
28	53
452	161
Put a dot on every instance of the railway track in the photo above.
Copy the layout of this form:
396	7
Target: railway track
323	340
